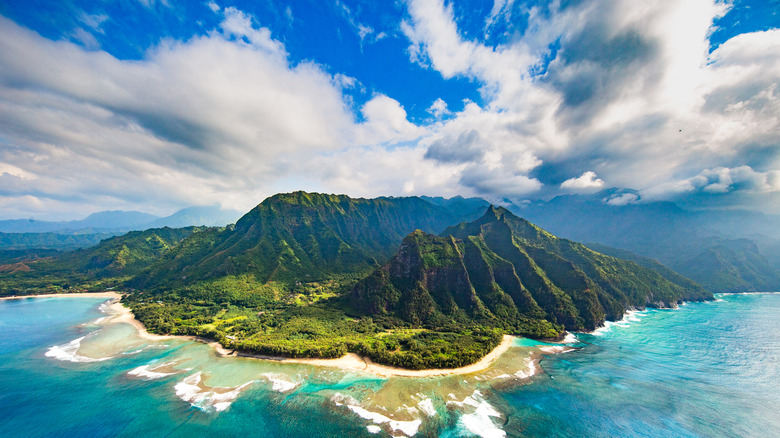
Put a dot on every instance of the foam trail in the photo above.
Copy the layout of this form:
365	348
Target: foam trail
531	369
408	428
69	352
278	383
570	339
556	349
147	372
629	317
190	390
480	421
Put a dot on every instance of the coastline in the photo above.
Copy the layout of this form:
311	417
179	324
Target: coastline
350	361
68	295
354	362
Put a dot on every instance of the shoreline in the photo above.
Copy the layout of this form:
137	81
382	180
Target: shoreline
67	295
350	361
355	362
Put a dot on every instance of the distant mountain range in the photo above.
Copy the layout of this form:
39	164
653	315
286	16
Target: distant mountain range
25	234
724	251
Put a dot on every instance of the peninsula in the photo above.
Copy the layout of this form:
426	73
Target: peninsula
397	282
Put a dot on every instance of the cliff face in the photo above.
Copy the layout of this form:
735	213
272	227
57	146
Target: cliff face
501	270
302	237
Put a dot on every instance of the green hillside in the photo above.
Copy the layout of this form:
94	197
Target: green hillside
106	265
314	275
300	236
505	272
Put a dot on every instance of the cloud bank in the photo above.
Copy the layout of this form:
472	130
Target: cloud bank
594	93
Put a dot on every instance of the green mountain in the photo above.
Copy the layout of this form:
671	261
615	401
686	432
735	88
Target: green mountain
300	236
55	241
108	264
731	265
706	246
314	275
504	271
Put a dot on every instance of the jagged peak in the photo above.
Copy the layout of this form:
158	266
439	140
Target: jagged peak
492	213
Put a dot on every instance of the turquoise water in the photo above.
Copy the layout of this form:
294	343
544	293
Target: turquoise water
704	370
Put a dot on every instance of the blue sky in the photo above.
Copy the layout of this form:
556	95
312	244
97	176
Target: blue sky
155	105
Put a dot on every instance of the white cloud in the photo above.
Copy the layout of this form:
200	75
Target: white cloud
239	25
632	97
386	122
93	21
439	108
621	200
209	120
632	94
588	181
720	180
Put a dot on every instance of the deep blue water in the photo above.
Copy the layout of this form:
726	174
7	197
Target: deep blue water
705	370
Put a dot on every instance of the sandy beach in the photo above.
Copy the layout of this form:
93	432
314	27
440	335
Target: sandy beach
123	314
354	362
351	361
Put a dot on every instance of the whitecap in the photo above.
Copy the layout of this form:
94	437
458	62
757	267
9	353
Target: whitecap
629	317
408	428
530	370
190	390
69	352
147	372
373	428
480	421
570	339
279	384
426	405
556	349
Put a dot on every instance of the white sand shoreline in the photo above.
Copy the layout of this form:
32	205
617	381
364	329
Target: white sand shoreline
350	361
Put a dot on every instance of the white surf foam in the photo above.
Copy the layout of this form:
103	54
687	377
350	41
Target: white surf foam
147	372
480	421
408	428
570	339
629	317
426	405
279	384
556	349
530	370
69	352
189	390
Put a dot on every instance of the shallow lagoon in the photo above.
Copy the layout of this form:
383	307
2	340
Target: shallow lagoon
702	370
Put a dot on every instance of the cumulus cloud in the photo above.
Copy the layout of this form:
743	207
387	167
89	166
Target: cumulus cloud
622	199
632	92
207	120
630	95
588	181
721	180
439	108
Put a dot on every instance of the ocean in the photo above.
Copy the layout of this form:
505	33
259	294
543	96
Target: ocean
703	370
